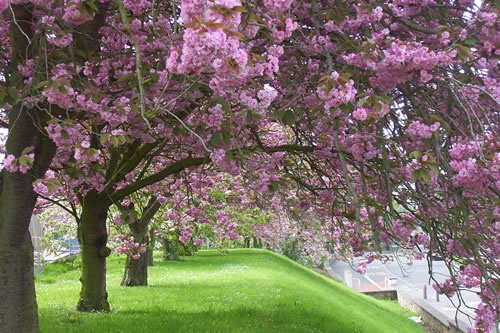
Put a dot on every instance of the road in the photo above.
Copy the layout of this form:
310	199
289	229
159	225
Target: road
413	280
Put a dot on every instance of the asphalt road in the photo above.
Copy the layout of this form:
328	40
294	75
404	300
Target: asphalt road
412	279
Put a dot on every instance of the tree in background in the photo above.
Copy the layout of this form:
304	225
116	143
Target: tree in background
135	243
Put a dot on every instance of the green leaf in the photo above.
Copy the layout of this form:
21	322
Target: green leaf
51	187
273	187
464	52
425	176
239	9
199	130
226	137
12	93
27	150
42	84
434	169
91	152
251	117
115	141
298	111
105	138
224	104
177	131
25	160
469	41
415	175
416	154
346	108
345	76
387	99
229	155
155	77
215	139
288	118
62	88
126	78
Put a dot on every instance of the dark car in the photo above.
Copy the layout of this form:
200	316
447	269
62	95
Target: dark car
437	256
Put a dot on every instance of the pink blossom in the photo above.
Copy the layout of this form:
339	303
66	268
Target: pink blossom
73	16
419	130
162	200
359	114
278	5
9	163
136	6
446	288
129	247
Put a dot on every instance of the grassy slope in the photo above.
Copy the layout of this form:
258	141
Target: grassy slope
244	291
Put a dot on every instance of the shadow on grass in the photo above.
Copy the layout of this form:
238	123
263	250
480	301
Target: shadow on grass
216	320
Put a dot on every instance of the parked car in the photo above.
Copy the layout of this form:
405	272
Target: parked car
437	256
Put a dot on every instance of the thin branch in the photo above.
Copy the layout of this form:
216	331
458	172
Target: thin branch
138	62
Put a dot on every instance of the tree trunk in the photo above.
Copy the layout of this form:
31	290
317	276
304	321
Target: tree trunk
18	308
93	237
136	271
170	250
151	246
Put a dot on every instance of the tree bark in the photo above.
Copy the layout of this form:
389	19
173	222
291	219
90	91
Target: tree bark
18	308
136	271
93	237
170	249
151	246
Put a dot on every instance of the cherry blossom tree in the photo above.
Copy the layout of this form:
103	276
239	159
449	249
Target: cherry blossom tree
118	148
27	41
361	105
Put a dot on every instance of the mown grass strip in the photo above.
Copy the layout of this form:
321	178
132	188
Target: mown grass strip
245	290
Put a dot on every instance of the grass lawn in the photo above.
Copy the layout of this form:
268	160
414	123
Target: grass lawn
245	290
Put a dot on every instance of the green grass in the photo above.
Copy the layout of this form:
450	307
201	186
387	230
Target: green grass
243	291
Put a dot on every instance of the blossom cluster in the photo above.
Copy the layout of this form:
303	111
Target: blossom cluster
129	247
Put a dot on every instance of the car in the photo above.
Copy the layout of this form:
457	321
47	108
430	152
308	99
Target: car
437	256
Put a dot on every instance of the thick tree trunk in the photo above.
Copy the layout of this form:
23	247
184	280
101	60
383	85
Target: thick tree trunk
18	308
136	271
93	237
